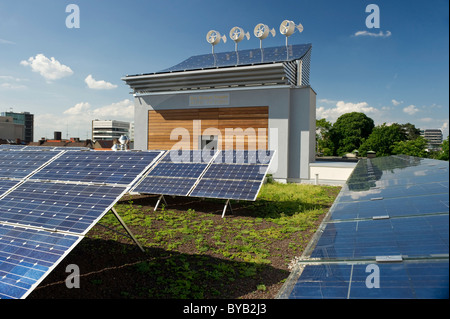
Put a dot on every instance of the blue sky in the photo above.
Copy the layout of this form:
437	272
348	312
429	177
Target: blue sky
67	77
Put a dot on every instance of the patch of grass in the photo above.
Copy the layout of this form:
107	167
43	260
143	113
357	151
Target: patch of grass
283	213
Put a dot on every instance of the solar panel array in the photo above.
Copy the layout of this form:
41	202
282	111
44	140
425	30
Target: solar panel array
392	215
49	200
230	174
242	57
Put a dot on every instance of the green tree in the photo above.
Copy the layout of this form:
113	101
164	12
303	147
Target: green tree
415	147
410	130
382	139
324	143
349	132
444	153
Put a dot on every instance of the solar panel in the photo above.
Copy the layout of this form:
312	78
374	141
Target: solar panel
176	173
395	206
393	212
188	156
188	170
6	185
165	186
245	157
236	172
27	256
58	206
98	167
423	236
15	164
235	175
422	280
227	189
11	147
243	57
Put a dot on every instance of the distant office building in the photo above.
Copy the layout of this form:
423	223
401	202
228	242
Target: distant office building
434	137
11	131
109	130
131	136
27	120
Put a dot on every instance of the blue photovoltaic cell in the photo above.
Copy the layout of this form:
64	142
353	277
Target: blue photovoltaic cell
244	157
6	184
26	256
176	173
19	164
395	171
165	186
188	170
396	191
97	167
421	280
413	236
393	207
227	189
12	147
188	156
242	57
236	172
65	207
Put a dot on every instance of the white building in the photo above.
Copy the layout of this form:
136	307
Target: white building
434	137
260	97
109	130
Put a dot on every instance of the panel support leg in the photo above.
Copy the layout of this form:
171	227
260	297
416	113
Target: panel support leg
159	201
227	204
126	228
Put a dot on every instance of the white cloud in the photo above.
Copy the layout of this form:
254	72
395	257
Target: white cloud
98	85
3	41
327	101
11	83
82	108
50	69
123	110
332	114
396	103
444	128
12	86
380	34
410	109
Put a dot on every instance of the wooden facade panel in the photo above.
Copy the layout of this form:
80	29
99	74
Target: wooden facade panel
238	120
